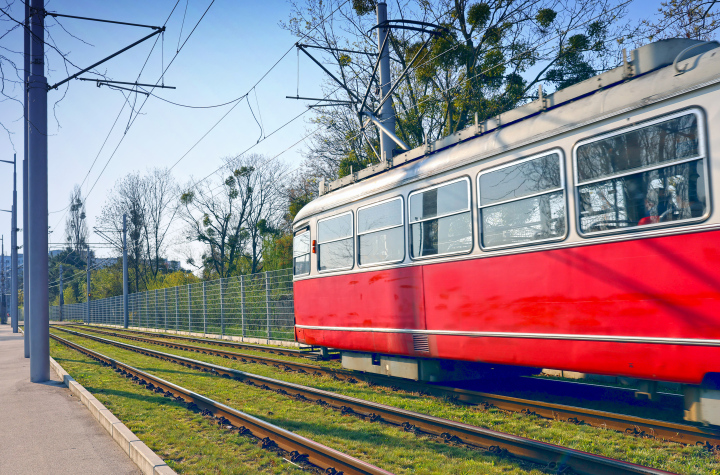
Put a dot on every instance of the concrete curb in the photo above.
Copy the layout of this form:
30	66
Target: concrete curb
147	460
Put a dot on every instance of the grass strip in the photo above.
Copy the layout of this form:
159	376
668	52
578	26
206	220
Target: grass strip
382	445
188	442
644	451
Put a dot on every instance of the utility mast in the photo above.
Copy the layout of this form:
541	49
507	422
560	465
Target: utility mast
62	295
3	304
383	114
387	114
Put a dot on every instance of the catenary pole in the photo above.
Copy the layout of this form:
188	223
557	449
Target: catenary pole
26	254
38	199
14	257
3	301
387	115
88	286
126	318
62	295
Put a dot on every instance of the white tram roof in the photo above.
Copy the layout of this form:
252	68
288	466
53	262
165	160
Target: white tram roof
578	105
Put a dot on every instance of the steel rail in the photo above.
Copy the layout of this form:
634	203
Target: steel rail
671	431
300	448
492	441
228	344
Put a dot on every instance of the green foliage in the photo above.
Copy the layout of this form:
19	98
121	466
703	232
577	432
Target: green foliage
277	252
353	163
363	7
478	14
344	60
545	17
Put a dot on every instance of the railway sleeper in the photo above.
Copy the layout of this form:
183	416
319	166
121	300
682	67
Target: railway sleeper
454	398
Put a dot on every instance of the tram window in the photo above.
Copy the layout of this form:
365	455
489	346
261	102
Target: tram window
381	236
301	253
335	243
649	175
440	220
523	202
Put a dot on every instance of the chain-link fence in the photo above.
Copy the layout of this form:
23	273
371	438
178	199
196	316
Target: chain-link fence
251	306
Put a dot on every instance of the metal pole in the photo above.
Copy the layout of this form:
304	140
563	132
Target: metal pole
189	310
26	254
267	303
242	305
38	200
204	309
14	254
177	308
165	299
88	286
26	261
155	312
387	115
147	309
62	296
126	317
3	304
222	309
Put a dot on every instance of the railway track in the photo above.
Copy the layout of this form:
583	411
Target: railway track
300	353
554	457
674	432
300	449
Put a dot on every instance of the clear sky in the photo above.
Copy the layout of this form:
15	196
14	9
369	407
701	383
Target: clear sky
233	46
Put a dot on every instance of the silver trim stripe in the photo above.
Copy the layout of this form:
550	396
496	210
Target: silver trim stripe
540	336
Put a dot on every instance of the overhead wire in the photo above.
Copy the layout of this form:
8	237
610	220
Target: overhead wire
107	137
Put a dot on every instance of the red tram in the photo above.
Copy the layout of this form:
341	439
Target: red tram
578	232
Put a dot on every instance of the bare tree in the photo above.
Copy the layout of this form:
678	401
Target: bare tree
225	216
696	19
160	207
126	198
266	208
76	229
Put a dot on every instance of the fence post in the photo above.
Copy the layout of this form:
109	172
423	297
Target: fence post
204	309
242	305
222	309
189	310
165	305
147	309
267	303
177	308
155	312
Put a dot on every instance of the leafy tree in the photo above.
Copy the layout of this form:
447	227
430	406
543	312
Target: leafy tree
493	58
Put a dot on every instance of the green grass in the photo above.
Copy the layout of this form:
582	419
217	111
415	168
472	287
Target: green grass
655	453
188	442
385	446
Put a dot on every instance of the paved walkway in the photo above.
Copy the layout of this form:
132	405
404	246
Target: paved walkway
46	430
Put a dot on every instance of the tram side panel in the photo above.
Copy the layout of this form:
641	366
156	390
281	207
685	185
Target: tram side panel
387	299
646	290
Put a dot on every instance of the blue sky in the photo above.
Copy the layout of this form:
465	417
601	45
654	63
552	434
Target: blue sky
231	49
233	46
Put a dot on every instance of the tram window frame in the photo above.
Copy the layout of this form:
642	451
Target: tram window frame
563	187
702	156
358	234
308	254
319	244
469	209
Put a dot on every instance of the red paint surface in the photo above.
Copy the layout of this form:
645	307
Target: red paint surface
662	287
